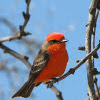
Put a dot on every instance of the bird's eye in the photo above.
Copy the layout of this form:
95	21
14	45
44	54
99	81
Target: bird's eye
54	41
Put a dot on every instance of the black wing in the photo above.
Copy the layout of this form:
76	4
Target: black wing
39	64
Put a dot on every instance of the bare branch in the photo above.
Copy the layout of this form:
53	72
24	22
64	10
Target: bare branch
21	33
24	59
56	91
89	31
96	85
95	55
26	17
15	36
81	48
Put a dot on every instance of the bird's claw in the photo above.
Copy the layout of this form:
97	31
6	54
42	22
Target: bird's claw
54	79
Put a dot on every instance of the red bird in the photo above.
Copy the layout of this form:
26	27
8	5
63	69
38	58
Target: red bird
49	63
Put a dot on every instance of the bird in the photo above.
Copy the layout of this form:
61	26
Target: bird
49	63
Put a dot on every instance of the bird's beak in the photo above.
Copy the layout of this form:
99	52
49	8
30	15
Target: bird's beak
64	40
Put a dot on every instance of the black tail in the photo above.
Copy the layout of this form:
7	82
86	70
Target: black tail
25	91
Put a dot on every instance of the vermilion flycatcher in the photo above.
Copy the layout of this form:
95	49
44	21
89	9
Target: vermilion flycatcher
49	63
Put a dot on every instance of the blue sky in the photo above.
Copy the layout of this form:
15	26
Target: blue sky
68	17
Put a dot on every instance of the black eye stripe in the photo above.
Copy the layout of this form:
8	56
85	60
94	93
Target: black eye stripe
54	40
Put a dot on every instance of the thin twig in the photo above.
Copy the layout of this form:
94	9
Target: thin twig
56	91
96	85
93	35
17	35
21	33
26	16
98	73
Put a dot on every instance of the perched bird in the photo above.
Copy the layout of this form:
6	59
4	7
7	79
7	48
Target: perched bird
49	63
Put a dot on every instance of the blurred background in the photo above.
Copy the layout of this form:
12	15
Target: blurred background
68	17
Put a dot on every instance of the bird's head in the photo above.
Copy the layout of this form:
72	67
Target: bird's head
56	38
54	41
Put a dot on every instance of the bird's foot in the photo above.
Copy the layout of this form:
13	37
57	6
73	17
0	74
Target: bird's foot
54	80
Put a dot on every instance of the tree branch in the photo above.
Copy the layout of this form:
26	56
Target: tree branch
17	35
89	31
56	91
26	17
21	33
95	55
24	59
